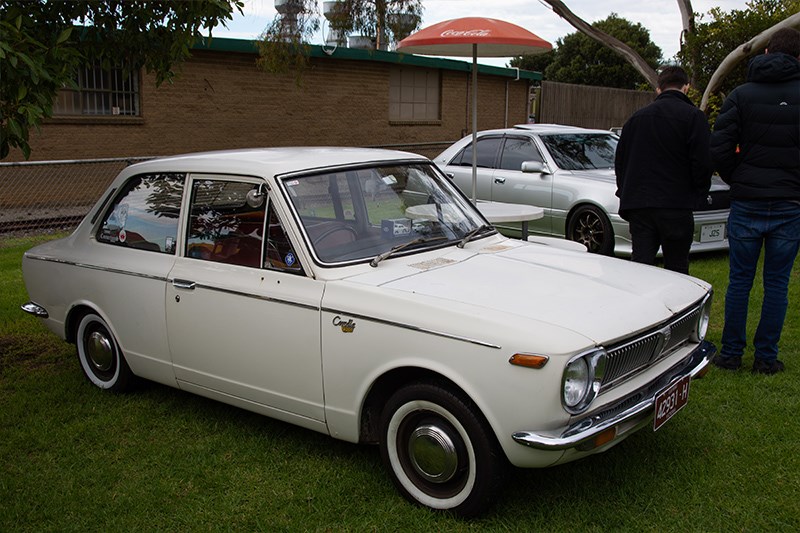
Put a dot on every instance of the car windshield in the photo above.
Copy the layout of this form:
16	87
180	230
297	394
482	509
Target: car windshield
361	213
582	151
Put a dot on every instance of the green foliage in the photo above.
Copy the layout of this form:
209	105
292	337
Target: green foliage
43	43
534	62
378	19
283	46
580	59
718	33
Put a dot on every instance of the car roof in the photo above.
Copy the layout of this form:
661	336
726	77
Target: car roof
557	128
270	161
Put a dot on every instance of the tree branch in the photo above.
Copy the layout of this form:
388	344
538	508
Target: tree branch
630	55
751	47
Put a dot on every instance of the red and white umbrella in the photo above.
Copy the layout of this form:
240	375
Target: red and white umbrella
474	36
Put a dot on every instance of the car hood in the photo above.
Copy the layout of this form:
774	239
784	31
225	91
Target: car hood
601	298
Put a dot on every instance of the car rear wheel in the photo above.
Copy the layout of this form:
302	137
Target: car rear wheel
591	227
99	354
439	451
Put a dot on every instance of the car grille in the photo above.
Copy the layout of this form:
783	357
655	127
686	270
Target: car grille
634	355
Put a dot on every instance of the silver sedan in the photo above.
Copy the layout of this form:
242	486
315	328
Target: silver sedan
568	171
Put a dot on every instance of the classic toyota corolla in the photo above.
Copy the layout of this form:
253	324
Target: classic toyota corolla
569	172
358	293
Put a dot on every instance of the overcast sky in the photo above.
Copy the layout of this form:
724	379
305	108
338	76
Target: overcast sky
661	17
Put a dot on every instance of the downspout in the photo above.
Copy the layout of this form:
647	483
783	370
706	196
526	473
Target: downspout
505	120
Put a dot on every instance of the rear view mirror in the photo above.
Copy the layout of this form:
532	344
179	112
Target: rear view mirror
533	167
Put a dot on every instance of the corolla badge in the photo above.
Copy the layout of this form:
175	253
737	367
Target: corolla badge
347	326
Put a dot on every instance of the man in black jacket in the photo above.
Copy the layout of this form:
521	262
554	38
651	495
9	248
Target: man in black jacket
663	169
756	149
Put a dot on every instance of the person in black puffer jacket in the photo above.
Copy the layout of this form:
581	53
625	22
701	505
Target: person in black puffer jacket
755	146
663	168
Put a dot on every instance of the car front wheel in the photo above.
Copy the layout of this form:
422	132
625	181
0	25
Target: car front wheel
439	451
101	359
591	227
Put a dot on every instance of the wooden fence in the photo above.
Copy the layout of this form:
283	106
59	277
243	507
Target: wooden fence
589	107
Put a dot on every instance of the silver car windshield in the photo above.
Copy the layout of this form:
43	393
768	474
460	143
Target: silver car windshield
582	151
356	215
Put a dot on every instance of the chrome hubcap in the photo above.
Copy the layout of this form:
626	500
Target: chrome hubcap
100	351
433	454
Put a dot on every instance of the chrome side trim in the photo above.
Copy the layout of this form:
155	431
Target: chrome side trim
634	409
254	296
412	328
35	309
95	267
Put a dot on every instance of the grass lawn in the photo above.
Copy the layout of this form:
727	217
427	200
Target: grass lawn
73	458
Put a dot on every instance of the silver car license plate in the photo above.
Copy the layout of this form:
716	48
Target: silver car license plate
712	232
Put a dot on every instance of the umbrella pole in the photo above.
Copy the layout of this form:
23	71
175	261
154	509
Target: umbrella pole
474	122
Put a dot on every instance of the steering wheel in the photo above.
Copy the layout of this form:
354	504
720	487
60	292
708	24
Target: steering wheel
336	229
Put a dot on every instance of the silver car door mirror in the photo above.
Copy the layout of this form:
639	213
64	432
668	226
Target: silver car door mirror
533	167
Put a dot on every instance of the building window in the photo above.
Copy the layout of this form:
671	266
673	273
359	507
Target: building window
100	93
414	95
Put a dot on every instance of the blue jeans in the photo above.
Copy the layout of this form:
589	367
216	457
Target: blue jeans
753	225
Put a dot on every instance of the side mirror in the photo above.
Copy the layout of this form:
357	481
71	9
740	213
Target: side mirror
534	167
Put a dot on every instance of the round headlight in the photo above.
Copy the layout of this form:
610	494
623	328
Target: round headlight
701	328
576	382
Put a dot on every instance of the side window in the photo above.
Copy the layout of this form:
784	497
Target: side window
145	213
487	152
517	150
226	222
280	254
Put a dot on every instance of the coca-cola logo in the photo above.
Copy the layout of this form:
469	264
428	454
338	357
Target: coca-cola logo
466	33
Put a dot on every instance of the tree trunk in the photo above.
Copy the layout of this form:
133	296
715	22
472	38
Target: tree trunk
687	21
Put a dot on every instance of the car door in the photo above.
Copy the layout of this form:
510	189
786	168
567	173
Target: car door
460	168
243	318
511	185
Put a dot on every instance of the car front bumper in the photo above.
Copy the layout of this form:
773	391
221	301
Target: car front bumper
618	420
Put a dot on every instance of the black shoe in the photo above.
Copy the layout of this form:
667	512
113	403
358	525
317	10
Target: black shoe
773	366
728	363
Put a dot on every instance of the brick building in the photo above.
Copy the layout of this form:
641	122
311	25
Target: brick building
220	99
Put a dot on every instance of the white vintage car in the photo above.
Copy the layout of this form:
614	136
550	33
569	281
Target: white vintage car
358	293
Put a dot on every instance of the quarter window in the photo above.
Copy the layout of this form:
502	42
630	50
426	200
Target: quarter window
145	214
226	222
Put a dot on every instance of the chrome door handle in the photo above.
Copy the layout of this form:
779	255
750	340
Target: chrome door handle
183	284
499	180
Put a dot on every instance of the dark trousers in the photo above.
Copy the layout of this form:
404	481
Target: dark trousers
670	229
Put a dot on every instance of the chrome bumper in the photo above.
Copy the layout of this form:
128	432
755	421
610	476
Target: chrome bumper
623	416
35	309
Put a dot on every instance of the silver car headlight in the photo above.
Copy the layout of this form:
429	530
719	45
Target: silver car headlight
581	380
703	317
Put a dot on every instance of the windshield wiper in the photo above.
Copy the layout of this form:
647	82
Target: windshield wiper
388	253
469	236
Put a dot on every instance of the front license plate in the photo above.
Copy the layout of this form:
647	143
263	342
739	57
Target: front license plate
670	401
712	232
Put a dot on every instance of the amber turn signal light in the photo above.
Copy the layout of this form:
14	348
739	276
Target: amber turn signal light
529	361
